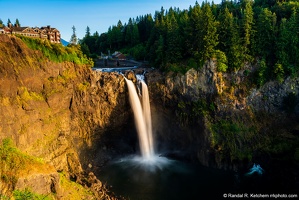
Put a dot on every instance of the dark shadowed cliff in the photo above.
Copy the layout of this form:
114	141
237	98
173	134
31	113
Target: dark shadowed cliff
223	120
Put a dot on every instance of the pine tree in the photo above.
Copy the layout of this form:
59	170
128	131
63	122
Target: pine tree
96	34
9	22
225	29
173	47
159	60
293	43
208	33
118	34
195	24
135	35
186	34
129	32
17	23
145	27
229	40
85	49
247	31
109	38
74	39
87	34
152	43
265	35
282	44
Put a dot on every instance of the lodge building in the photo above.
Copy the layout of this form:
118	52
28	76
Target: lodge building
52	34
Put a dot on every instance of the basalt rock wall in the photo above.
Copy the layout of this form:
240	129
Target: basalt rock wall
212	117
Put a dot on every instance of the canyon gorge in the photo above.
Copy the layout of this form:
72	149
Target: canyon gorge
75	119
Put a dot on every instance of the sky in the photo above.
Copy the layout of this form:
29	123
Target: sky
98	15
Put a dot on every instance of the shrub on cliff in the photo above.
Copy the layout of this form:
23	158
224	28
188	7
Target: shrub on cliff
28	194
57	52
13	162
234	140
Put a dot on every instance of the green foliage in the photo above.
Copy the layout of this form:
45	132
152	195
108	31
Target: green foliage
200	108
57	52
12	160
262	76
189	112
138	52
76	191
192	63
208	33
229	39
284	146
1	26
265	34
178	67
83	86
28	194
279	72
26	95
4	197
182	113
247	22
175	68
233	140
221	61
159	52
74	39
244	31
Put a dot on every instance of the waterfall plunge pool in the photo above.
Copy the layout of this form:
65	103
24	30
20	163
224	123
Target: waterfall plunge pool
166	179
151	177
162	179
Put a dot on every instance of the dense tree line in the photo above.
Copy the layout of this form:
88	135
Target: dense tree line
265	32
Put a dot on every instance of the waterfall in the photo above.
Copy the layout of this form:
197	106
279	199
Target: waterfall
142	117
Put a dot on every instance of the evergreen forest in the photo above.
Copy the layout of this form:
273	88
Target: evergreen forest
261	32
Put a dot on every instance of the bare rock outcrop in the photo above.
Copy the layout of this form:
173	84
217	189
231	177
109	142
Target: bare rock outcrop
56	111
273	96
40	183
192	111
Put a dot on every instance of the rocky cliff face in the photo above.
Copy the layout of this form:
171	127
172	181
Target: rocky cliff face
57	112
76	119
216	117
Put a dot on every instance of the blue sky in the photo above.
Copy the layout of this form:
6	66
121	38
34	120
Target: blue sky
97	14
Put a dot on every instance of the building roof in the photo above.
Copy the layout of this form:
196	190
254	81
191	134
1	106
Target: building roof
48	28
47	32
119	55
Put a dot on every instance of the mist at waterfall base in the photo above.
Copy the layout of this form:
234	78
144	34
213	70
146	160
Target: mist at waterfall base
167	179
152	176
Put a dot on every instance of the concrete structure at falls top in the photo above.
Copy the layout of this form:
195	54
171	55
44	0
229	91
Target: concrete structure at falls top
142	117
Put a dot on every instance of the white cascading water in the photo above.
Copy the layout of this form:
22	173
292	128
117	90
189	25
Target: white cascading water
142	116
147	114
